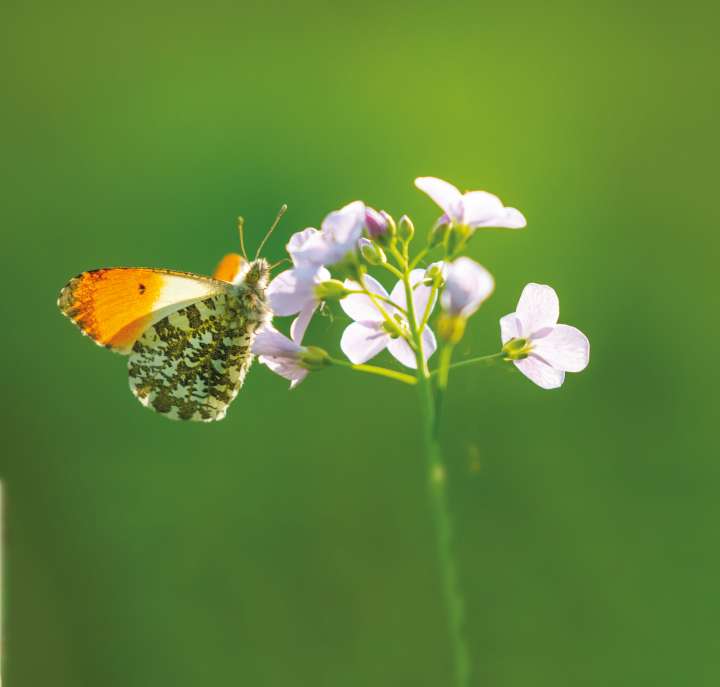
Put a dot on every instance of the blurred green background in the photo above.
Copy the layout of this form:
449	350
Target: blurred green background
291	543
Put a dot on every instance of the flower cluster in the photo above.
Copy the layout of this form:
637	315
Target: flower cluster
355	239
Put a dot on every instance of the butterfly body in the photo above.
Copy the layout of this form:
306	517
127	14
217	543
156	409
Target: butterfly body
188	337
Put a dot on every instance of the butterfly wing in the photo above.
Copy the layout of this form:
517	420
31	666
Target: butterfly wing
191	364
115	306
230	267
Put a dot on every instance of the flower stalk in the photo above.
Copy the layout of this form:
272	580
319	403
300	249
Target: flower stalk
401	322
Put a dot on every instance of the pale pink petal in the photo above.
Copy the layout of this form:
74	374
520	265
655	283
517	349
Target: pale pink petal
298	241
314	250
429	342
513	219
510	328
285	368
341	230
479	207
403	352
537	308
288	293
541	373
362	341
466	287
444	194
300	323
361	307
269	341
482	209
400	349
564	347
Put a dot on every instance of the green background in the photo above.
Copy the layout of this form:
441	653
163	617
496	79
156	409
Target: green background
291	543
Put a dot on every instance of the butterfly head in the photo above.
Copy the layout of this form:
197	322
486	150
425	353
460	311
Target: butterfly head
257	274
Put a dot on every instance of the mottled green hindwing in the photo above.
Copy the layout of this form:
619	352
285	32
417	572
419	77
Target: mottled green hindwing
191	364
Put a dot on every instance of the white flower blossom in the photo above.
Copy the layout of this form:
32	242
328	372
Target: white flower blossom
280	354
552	349
369	333
467	285
339	235
473	209
293	292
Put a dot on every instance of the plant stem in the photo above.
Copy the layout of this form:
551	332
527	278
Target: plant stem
375	370
438	500
486	359
443	532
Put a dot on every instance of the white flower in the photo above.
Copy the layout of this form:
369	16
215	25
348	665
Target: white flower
467	285
339	235
473	209
297	243
368	334
293	292
280	354
552	349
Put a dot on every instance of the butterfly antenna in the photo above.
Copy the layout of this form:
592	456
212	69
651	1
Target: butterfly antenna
278	263
241	231
271	229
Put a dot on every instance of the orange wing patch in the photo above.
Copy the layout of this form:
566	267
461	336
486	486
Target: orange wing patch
229	267
115	306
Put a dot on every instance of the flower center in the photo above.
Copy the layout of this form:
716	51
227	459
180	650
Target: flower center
517	349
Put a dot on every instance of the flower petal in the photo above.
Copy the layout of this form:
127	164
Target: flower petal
400	350
444	194
429	342
510	327
540	372
564	348
300	323
298	241
285	368
513	219
341	230
291	290
361	307
483	209
403	353
537	308
361	342
270	342
467	285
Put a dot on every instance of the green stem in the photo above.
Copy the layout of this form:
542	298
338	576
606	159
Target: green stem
418	258
392	269
452	595
443	370
375	370
483	359
436	485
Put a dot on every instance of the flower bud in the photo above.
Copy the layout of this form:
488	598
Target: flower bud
372	253
330	290
314	358
406	229
375	223
451	328
435	274
467	286
517	349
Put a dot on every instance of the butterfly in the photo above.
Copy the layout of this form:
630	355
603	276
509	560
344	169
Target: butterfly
188	337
